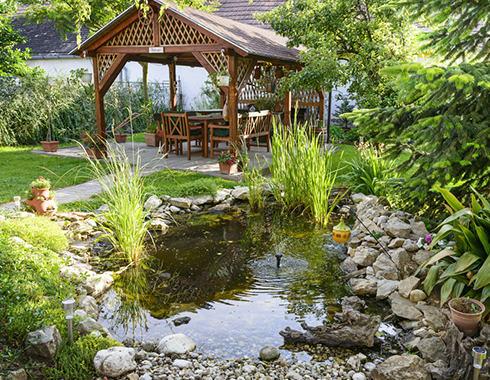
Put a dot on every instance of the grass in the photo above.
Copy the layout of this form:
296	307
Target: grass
20	168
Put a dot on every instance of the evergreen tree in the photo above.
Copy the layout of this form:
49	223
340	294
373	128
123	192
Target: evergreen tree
442	117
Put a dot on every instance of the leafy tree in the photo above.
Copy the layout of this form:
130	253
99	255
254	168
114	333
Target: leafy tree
442	117
347	41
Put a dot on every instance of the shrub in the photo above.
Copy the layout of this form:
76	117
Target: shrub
37	231
464	270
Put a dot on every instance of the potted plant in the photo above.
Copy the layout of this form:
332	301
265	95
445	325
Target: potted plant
228	162
120	137
95	147
466	314
154	136
220	78
40	198
49	145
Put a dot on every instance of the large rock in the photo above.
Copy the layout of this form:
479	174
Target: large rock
43	342
241	192
349	265
382	263
401	367
100	282
181	202
418	228
152	203
433	316
158	224
417	295
115	361
404	308
410	246
20	374
363	286
88	325
365	256
201	199
89	305
432	349
269	353
358	197
221	196
400	257
385	288
397	228
175	344
407	285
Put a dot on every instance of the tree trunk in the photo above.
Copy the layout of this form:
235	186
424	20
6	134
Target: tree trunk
144	65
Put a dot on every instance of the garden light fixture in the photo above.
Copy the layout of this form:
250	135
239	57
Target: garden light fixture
68	306
278	259
86	78
479	355
341	232
17	203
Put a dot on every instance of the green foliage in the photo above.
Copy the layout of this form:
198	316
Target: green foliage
208	97
253	177
442	122
40	183
347	43
228	157
121	180
302	173
37	231
466	269
345	107
372	173
202	186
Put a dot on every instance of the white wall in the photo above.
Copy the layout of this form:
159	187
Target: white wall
60	66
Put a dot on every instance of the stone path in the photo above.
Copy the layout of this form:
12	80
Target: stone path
152	160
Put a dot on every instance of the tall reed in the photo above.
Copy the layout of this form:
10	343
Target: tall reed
121	180
302	173
252	175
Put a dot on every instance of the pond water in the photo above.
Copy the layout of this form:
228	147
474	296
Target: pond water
220	270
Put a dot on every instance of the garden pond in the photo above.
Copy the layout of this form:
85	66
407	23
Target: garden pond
220	270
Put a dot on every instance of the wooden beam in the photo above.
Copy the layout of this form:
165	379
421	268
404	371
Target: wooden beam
99	102
233	98
173	79
208	68
166	49
106	37
111	74
206	32
141	58
247	76
156	28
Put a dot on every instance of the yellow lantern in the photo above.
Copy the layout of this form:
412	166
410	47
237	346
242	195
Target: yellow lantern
341	233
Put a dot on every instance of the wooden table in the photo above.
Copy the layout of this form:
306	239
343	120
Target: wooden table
205	120
207	112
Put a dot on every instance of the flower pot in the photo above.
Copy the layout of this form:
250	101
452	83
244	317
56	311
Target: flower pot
466	322
223	80
40	193
152	139
94	153
85	137
120	137
47	207
50	146
228	168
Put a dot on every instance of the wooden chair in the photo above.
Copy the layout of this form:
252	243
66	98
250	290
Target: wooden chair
176	127
253	124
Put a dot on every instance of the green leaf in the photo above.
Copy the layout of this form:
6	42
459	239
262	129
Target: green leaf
446	290
473	242
465	261
432	276
484	201
475	205
443	232
483	238
458	289
482	278
485	293
449	271
450	199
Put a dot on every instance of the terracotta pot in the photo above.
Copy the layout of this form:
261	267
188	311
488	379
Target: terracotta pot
152	139
40	193
467	323
50	146
120	137
42	207
84	137
228	168
94	153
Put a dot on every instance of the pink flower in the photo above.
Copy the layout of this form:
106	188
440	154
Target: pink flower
428	239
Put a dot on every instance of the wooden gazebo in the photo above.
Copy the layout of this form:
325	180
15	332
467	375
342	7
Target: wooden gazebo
172	36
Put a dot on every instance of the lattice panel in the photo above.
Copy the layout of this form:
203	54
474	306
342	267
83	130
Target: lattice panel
175	32
216	61
243	66
104	62
135	34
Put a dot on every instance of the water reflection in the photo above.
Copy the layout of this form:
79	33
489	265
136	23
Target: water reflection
221	272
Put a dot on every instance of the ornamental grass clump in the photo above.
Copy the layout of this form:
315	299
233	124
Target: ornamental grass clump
121	179
302	173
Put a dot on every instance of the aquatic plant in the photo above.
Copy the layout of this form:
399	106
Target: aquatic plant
302	173
252	175
121	179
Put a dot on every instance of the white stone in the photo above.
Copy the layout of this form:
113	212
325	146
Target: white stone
182	363
158	224
385	288
181	202
175	344
115	361
221	196
400	257
221	207
165	198
146	376
241	193
383	262
88	325
407	285
201	199
354	362
248	368
362	287
174	210
89	305
397	228
369	366
43	342
359	376
418	228
365	256
100	282
358	197
417	295
152	203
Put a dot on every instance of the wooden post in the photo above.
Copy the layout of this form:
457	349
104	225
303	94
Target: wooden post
173	80
321	110
287	105
328	115
233	98
99	103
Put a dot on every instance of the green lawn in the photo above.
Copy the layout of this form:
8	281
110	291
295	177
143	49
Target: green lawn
20	168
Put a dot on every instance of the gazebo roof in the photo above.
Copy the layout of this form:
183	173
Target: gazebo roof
244	38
